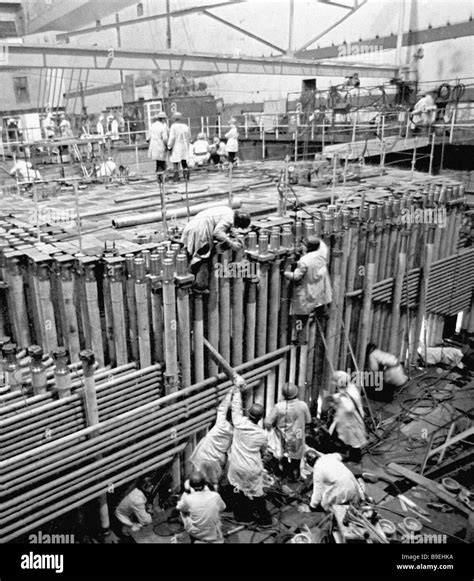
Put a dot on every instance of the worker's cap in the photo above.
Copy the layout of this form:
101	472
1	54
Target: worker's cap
255	412
289	391
313	243
101	117
341	378
110	117
232	120
201	136
197	480
177	115
161	115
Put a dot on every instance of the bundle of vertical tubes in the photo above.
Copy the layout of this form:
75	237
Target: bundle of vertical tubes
393	273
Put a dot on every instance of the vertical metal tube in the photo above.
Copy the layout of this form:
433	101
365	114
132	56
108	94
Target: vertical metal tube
66	297
170	327
184	329
118	313
143	315
198	344
91	409
224	308
238	312
131	306
365	323
397	294
94	330
213	312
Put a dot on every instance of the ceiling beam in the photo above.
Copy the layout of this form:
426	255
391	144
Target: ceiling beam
345	17
337	4
243	31
162	16
66	56
411	38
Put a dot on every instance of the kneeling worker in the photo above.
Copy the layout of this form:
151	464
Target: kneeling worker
333	483
132	510
200	510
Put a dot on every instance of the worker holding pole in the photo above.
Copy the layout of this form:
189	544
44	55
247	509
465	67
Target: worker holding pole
203	230
245	472
210	455
348	423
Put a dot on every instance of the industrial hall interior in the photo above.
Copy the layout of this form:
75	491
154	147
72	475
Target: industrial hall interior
236	272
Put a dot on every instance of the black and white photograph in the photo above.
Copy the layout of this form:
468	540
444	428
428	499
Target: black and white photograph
236	288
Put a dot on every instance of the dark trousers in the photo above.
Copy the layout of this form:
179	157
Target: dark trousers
251	509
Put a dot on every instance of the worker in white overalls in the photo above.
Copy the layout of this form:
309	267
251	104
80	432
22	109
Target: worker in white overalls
178	143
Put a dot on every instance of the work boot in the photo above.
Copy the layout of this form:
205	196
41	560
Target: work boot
186	175
176	176
159	177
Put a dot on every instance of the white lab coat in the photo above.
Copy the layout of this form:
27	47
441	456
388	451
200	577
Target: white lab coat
179	142
349	417
424	112
25	171
200	511
199	232
245	461
393	373
210	455
232	136
333	483
158	141
114	130
289	419
312	284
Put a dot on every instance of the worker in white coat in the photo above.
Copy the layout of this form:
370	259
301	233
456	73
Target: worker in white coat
203	230
288	420
424	112
232	144
178	143
200	510
24	172
333	482
210	455
158	149
394	377
132	511
201	151
312	288
245	471
348	423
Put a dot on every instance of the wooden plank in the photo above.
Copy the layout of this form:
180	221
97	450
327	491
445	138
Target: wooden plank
449	442
430	485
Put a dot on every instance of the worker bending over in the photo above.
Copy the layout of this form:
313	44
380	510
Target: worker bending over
245	472
333	483
200	510
210	455
132	511
209	226
393	374
348	420
179	141
289	418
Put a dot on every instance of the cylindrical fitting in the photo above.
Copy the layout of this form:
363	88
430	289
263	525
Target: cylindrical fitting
263	243
168	270
37	370
252	242
182	264
139	270
62	375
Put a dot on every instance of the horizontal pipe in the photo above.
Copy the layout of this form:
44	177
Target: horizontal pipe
139	219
